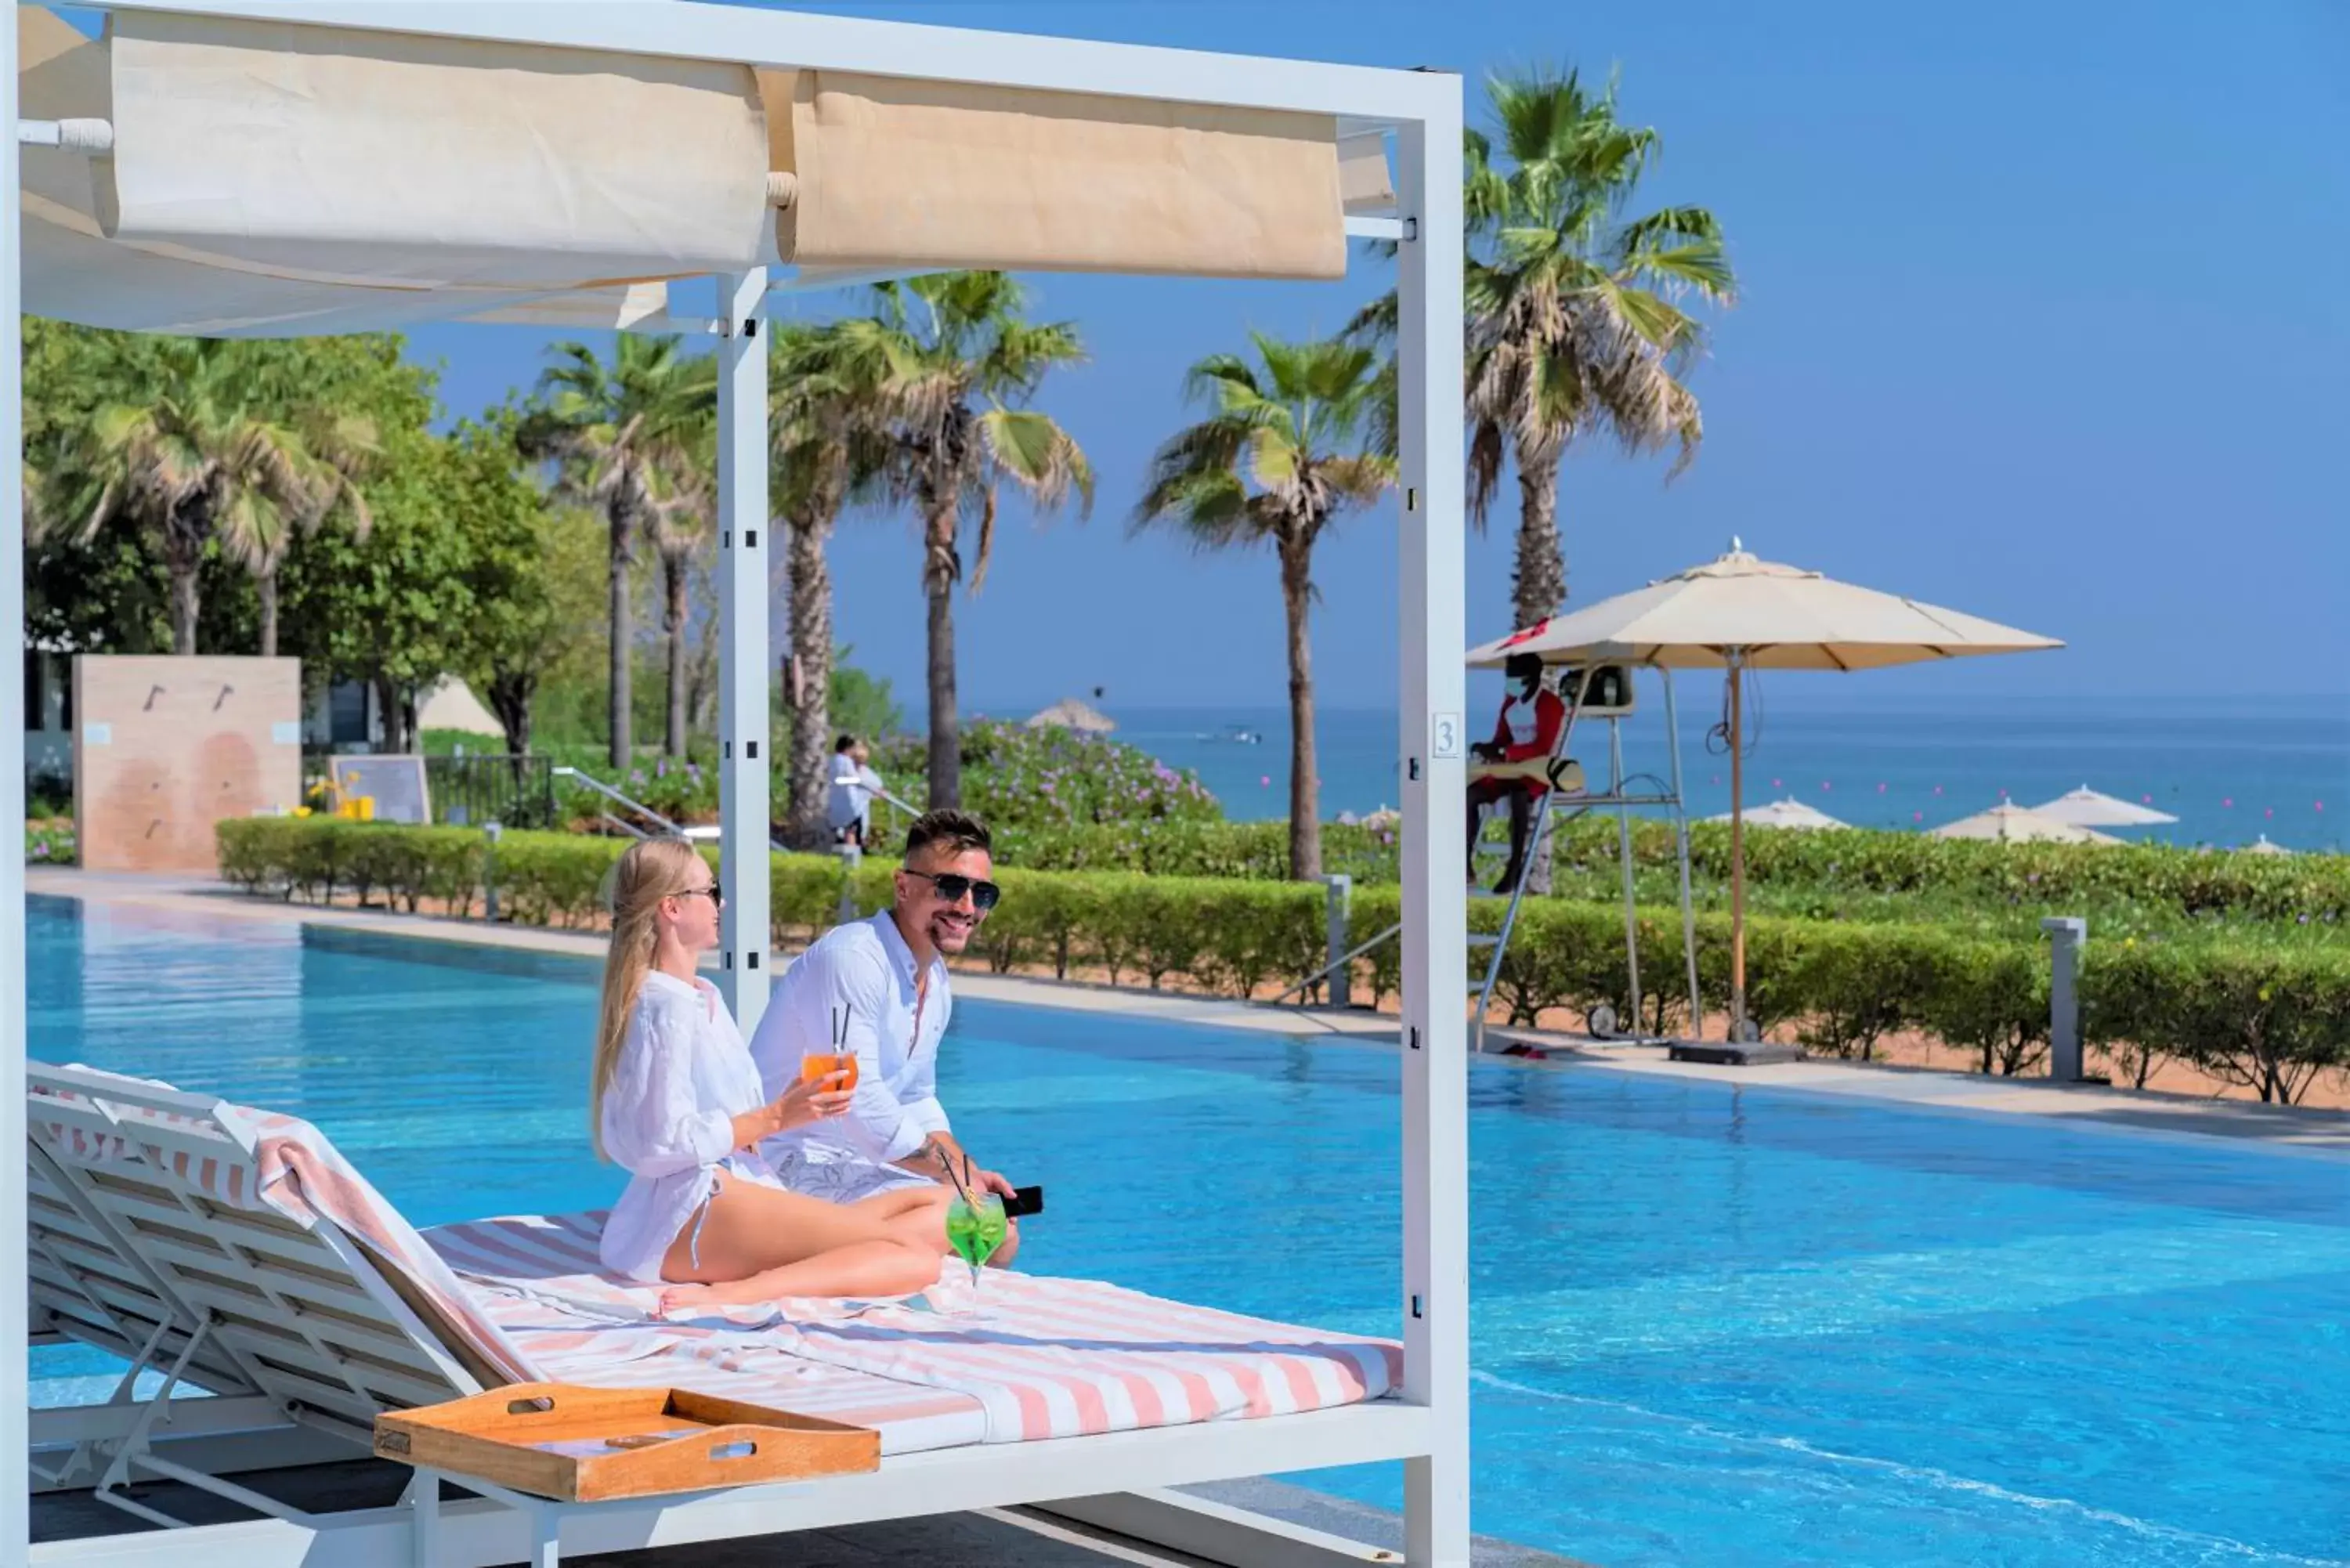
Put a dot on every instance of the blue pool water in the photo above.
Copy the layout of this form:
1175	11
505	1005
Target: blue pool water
1712	1325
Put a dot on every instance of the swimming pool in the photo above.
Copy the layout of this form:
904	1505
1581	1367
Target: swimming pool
1713	1325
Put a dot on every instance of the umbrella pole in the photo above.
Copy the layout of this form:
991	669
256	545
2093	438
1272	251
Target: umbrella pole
1737	855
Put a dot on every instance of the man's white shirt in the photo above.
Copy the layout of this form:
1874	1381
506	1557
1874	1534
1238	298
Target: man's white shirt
863	975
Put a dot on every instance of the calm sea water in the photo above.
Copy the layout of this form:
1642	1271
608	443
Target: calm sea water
1712	1324
2277	766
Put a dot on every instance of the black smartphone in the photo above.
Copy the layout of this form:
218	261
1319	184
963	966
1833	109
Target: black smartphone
1024	1200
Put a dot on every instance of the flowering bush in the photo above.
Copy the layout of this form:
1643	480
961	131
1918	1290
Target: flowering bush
1020	780
50	842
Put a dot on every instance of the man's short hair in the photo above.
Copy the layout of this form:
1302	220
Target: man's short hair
846	743
957	832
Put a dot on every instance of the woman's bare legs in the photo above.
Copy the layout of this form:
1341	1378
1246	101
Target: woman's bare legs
759	1243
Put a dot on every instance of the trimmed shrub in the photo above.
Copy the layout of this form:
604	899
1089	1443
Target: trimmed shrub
2267	1010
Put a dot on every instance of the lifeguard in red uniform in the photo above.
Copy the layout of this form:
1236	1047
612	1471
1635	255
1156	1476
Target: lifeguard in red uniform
1526	730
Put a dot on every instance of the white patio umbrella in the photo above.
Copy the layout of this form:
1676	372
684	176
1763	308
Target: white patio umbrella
1069	713
1789	813
2085	807
1737	614
2013	824
2261	845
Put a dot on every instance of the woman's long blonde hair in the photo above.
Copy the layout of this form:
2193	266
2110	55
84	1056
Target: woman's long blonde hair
651	870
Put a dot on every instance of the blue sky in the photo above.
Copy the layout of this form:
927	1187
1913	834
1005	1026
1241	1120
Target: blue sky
2039	320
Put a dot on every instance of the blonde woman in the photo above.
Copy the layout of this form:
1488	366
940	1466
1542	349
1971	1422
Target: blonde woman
676	1101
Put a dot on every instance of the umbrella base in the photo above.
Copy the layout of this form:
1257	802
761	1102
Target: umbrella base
1719	1054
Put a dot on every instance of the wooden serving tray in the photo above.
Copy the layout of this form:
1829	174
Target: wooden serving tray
575	1444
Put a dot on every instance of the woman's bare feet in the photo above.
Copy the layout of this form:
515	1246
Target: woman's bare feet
681	1300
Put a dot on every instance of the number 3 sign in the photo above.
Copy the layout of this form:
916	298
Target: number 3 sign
1444	736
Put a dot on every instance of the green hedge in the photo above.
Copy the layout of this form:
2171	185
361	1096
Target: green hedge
2269	1012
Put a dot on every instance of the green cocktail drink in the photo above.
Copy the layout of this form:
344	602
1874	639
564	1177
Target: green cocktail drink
975	1228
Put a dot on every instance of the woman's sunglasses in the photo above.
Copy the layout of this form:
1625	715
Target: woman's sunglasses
953	886
717	895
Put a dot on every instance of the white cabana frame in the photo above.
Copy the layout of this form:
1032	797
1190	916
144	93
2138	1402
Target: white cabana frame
1427	1428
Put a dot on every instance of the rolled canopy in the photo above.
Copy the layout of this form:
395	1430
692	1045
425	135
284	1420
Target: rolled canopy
270	178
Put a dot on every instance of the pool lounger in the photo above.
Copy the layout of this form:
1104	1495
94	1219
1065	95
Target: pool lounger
236	1251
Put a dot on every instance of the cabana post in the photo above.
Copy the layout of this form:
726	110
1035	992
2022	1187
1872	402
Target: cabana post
1428	1428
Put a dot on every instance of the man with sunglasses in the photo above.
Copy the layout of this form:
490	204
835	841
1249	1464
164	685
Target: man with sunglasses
877	990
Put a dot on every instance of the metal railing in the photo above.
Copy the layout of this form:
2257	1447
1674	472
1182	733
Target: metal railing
517	790
639	812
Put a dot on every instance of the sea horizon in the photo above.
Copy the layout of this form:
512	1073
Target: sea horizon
2231	769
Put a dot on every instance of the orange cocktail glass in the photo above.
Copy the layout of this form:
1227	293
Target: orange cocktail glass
819	1065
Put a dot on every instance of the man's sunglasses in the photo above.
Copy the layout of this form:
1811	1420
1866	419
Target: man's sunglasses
953	885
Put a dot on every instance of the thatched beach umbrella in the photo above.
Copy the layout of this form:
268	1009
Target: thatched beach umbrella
2013	824
1789	813
1069	713
1738	614
2085	807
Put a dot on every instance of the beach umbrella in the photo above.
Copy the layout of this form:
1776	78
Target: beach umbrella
2085	807
2261	845
1789	813
1737	614
1069	713
2013	824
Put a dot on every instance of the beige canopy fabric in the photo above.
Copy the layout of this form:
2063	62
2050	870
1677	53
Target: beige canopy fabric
275	179
1789	813
2017	825
1783	617
2264	846
1069	713
949	174
2085	807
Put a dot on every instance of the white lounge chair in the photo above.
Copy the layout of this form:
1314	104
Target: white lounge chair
236	1251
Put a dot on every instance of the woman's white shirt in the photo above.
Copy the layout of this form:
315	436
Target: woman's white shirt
669	1118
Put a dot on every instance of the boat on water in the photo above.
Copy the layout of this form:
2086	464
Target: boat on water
1237	735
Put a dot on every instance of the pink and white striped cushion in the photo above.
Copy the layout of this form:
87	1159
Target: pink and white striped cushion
1050	1359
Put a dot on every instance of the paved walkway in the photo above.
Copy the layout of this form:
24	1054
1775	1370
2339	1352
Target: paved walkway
2282	1125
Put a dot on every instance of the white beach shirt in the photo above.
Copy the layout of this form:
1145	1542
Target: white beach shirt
669	1118
866	971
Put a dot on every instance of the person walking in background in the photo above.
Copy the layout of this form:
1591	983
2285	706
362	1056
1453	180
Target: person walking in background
848	809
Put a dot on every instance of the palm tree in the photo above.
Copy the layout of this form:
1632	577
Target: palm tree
677	526
198	459
828	410
630	435
1283	449
330	452
962	362
1573	324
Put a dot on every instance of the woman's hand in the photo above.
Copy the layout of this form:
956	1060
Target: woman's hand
797	1106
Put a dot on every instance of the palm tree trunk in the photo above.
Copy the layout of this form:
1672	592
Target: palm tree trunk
184	533
510	697
811	611
1304	786
1538	585
673	569
183	607
939	575
623	748
265	589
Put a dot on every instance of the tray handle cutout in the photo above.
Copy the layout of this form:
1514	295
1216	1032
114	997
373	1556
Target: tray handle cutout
537	1406
741	1449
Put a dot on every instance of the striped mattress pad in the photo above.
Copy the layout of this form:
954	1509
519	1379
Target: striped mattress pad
1047	1358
